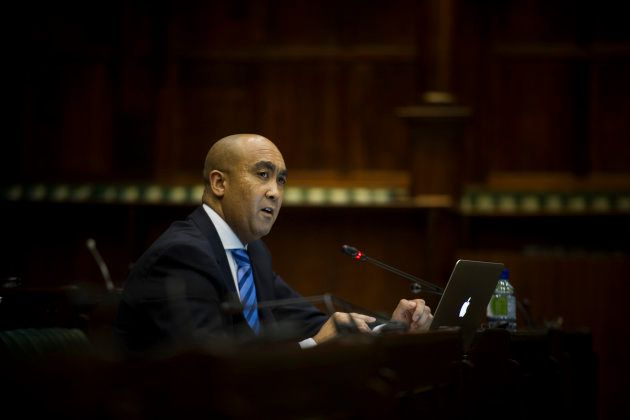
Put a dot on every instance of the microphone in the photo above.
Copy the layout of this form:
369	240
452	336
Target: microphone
91	245
417	284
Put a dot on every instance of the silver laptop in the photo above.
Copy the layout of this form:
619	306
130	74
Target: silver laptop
466	297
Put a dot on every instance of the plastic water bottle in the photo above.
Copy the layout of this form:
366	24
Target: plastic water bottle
501	310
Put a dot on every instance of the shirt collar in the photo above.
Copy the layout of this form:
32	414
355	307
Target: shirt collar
226	234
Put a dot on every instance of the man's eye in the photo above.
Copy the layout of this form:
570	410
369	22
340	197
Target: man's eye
282	180
263	174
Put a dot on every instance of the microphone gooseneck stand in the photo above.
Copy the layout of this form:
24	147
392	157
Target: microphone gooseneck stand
417	284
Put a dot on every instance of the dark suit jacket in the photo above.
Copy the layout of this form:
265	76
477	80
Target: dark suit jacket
175	291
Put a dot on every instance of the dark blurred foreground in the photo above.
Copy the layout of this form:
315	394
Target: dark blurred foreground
77	373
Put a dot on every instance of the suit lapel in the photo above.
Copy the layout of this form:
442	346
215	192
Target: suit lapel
259	257
203	222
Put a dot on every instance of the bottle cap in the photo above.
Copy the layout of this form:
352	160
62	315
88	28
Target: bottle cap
505	274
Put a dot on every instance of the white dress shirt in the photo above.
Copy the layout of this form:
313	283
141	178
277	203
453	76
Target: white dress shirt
230	241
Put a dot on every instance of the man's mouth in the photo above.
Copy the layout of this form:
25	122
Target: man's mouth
268	210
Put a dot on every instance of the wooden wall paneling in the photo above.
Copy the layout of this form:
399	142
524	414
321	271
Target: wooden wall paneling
534	43
537	21
306	244
355	134
166	126
124	45
606	233
214	99
330	119
167	123
385	140
62	63
373	22
471	66
532	116
41	113
436	150
312	67
324	113
581	80
610	148
435	44
68	121
302	23
203	97
440	245
435	121
87	131
347	23
47	248
270	111
202	26
140	60
307	112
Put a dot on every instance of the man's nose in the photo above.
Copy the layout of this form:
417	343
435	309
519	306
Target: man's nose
273	192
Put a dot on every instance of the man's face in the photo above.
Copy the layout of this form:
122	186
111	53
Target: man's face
254	187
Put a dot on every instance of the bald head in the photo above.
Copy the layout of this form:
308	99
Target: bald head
228	151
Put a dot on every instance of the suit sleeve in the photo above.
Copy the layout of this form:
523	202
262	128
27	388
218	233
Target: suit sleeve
173	299
299	321
306	318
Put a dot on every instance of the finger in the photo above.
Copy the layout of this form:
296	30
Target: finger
419	311
425	314
363	317
424	322
429	315
359	321
361	325
404	310
345	317
405	304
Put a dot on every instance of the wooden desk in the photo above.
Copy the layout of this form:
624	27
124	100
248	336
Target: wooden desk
525	375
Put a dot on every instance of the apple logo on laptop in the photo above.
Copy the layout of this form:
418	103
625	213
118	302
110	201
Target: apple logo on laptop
464	308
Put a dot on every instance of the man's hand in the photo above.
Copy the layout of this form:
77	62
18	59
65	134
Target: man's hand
329	331
413	313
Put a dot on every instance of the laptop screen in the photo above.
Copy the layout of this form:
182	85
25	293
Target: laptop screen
466	297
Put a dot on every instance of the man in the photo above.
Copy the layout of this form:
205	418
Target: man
176	292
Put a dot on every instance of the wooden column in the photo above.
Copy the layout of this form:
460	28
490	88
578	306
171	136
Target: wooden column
435	124
436	153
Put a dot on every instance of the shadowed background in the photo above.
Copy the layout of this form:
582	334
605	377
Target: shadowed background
418	131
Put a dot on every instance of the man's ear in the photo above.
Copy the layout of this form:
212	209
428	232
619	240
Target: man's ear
217	183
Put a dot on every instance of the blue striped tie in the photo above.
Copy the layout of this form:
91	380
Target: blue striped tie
247	288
